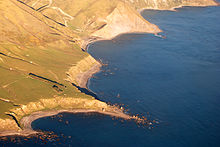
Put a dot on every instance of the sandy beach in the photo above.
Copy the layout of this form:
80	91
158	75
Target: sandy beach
83	78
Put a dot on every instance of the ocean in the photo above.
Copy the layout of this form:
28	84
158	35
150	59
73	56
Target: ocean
174	81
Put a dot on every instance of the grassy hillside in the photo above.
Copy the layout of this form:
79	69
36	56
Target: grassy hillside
29	44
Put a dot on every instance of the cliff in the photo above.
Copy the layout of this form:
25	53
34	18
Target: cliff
83	70
124	19
59	104
42	45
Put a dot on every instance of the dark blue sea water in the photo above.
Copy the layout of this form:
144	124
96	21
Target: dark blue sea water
175	81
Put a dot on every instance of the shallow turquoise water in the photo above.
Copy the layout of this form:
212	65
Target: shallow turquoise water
174	80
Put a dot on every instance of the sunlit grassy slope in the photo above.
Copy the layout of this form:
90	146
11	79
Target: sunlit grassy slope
82	16
28	44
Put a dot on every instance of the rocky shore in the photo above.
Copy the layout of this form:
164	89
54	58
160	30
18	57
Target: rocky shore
27	120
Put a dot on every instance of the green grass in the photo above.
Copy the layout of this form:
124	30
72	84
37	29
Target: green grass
51	63
33	48
5	108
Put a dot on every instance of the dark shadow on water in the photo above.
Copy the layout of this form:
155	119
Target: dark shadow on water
86	91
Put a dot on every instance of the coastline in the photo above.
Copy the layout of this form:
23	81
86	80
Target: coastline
27	120
82	79
177	7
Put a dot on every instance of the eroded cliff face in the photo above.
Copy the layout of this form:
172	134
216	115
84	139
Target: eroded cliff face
124	19
83	70
47	104
8	125
59	103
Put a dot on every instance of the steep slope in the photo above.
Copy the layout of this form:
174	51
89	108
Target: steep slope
124	19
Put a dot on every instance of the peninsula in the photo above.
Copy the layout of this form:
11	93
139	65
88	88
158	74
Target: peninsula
43	54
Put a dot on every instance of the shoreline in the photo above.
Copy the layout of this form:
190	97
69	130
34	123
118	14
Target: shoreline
83	79
177	7
27	120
